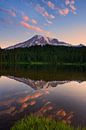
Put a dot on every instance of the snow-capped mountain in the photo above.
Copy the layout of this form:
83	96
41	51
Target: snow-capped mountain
81	45
39	40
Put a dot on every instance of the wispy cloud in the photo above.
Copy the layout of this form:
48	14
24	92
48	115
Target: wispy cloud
63	11
51	5
44	12
8	11
73	8
49	22
67	2
26	18
34	28
47	15
34	21
71	5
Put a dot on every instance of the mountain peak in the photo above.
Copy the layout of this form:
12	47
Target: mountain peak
39	40
38	36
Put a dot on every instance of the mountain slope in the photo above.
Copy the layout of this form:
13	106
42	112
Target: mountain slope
39	40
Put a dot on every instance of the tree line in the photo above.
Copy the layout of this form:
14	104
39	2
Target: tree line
45	54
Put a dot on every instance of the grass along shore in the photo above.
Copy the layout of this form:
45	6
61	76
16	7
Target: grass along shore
43	63
41	123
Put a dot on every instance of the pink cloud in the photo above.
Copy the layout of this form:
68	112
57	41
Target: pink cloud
34	28
40	9
64	11
26	18
7	11
71	4
34	21
73	9
67	2
70	7
49	16
46	14
57	8
50	4
43	12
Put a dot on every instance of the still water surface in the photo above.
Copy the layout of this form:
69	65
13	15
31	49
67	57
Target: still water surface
36	91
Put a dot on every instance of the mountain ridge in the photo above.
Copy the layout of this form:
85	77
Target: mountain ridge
39	40
42	41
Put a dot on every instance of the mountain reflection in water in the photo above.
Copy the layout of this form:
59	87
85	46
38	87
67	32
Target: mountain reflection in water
62	100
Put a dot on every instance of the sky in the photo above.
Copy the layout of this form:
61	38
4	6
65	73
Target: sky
61	19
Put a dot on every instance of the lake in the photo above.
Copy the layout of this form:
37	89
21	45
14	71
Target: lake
55	91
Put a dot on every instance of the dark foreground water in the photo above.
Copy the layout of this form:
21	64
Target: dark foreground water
58	92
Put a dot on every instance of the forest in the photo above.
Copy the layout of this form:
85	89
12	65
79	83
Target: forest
44	55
